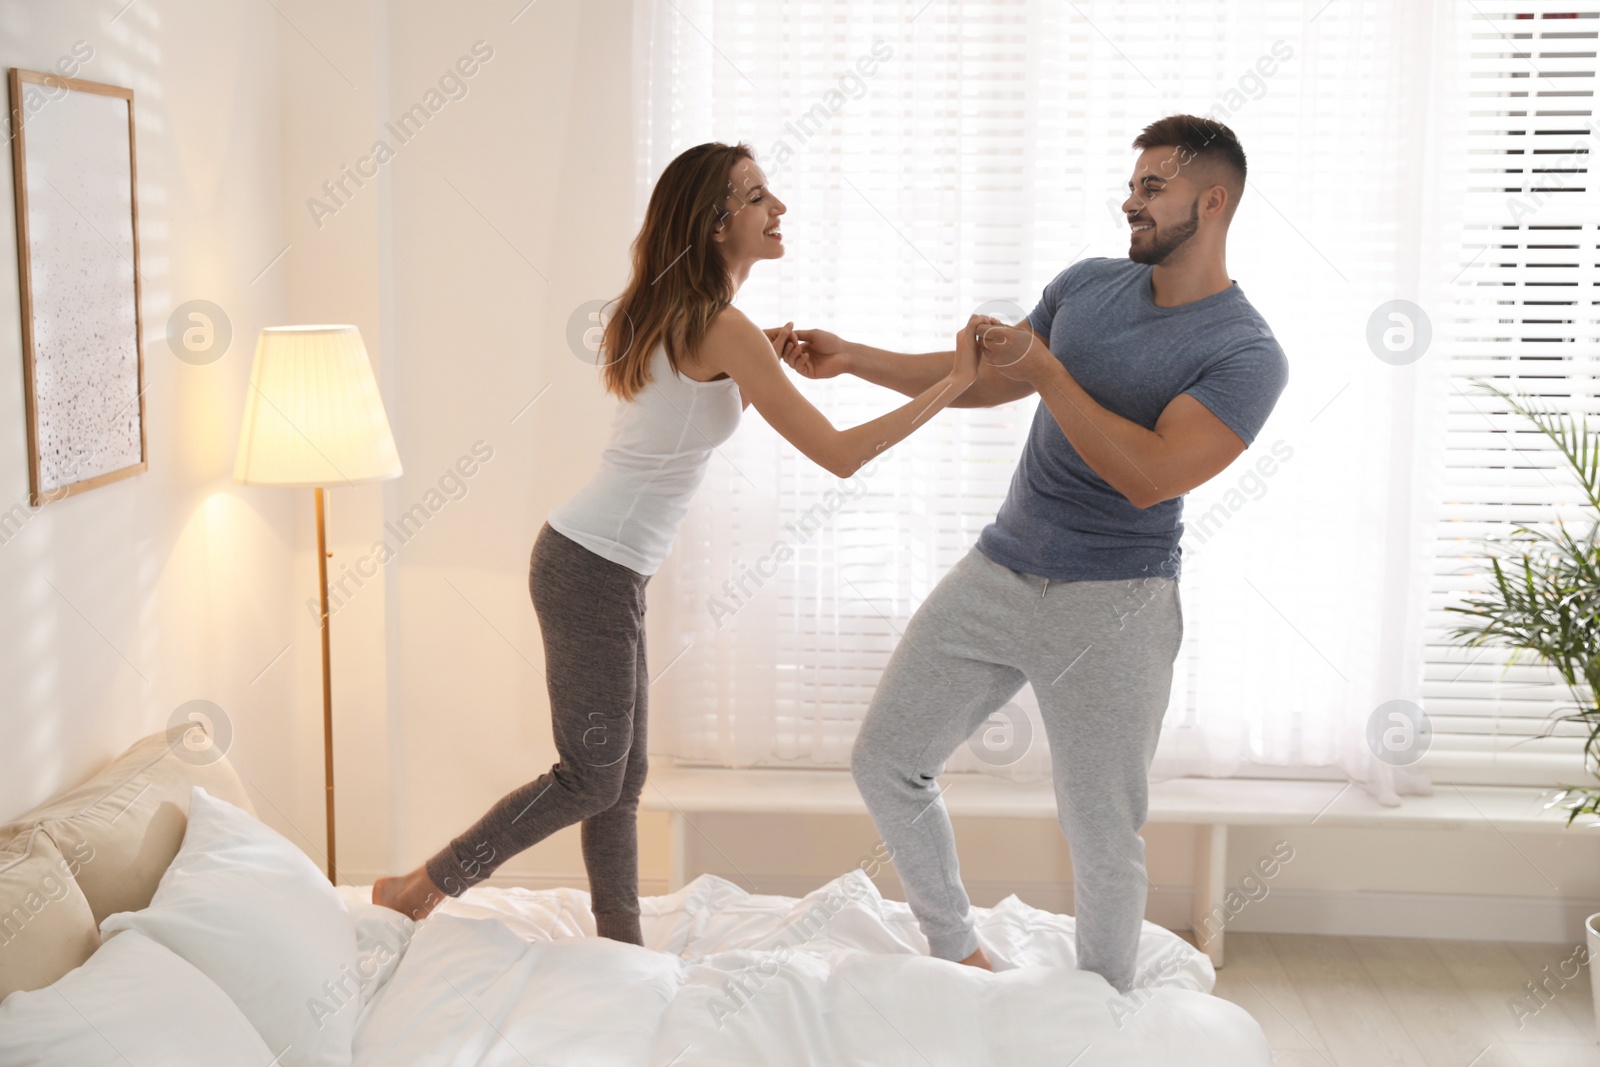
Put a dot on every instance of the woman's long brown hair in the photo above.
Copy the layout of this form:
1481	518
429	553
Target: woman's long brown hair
678	282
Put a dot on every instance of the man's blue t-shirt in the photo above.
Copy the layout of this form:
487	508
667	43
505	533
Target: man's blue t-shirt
1060	519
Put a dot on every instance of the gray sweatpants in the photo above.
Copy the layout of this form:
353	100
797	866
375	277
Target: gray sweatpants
591	614
1099	655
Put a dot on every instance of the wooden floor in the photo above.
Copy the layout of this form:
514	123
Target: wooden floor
1372	1002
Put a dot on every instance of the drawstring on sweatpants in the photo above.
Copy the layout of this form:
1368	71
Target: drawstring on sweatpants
1045	590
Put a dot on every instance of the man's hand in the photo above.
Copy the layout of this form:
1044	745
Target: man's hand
1016	352
819	354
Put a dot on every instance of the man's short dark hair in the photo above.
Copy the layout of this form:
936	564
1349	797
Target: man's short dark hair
1204	139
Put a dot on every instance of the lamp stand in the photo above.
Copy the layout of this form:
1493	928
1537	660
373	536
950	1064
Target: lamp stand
327	679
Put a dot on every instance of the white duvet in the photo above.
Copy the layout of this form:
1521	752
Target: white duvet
841	976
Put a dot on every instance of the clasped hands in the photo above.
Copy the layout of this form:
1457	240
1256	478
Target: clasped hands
1014	351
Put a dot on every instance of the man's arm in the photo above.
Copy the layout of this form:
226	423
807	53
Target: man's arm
1188	447
824	355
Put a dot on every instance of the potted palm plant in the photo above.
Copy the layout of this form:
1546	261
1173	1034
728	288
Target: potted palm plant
1545	601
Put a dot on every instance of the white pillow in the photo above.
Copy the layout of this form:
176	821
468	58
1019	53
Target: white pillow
256	916
132	1002
382	937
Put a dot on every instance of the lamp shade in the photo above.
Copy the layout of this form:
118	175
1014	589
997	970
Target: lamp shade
313	416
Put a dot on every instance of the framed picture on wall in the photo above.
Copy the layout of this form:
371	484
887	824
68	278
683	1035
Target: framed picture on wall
72	155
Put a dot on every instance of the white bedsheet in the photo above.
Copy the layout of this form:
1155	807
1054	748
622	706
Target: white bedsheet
841	976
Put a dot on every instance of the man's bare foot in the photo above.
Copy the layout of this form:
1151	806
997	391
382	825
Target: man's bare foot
978	959
413	894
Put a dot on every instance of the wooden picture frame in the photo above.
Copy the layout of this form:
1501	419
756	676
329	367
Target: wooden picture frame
78	270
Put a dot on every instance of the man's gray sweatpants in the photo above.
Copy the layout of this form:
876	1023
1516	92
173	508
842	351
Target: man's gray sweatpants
1099	655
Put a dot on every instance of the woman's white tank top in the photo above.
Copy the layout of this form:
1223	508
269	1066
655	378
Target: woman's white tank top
661	441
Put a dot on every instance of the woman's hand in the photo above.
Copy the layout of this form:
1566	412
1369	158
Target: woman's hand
784	342
964	371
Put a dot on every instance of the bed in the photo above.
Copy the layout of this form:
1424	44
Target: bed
149	917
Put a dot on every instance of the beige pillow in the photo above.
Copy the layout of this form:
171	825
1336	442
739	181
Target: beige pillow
46	928
123	826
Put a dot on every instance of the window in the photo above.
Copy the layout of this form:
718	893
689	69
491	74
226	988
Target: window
1528	317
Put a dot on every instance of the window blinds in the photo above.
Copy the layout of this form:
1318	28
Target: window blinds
1528	318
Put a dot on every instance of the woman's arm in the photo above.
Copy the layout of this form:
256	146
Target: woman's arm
736	347
821	354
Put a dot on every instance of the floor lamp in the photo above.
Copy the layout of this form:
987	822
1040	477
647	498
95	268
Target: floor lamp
313	418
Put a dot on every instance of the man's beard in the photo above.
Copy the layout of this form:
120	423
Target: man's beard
1165	243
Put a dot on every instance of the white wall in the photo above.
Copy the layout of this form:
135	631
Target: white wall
461	262
124	602
513	207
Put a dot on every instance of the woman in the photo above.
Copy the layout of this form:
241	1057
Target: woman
685	362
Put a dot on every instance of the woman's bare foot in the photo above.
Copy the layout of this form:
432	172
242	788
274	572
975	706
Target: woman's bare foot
413	894
978	959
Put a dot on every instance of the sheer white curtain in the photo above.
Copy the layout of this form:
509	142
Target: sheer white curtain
937	157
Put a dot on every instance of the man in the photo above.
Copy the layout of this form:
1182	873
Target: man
1155	374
